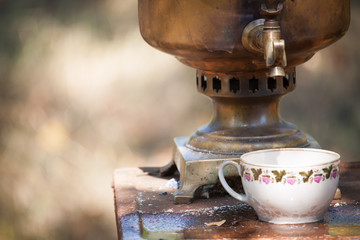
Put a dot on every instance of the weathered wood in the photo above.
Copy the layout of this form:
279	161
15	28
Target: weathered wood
145	210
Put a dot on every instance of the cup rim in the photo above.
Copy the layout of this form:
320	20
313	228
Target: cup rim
290	149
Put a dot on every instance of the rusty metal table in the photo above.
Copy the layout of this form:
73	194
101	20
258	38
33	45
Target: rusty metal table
144	209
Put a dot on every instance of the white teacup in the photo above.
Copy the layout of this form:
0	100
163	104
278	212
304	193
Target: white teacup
287	185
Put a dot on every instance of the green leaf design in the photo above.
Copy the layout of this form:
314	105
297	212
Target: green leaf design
256	173
306	176
327	171
279	175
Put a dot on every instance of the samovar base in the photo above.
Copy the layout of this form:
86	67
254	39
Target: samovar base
200	168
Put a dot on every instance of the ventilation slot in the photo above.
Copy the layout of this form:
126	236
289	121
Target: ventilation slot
216	82
271	84
286	81
203	82
253	85
234	85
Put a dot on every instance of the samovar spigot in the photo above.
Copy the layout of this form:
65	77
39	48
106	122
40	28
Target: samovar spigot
274	47
263	36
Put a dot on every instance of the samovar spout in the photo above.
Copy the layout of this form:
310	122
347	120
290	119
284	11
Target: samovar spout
263	36
274	49
274	46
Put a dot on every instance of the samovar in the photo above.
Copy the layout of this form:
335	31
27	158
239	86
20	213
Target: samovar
245	53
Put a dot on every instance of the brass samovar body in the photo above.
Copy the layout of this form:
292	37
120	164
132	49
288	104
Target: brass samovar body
245	53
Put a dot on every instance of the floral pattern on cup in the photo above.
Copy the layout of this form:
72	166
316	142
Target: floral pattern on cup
248	177
266	179
281	176
334	174
278	175
306	175
318	178
291	180
327	171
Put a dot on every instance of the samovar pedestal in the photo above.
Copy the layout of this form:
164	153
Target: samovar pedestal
246	118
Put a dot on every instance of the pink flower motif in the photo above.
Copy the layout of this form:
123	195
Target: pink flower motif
334	174
317	178
248	177
291	181
266	180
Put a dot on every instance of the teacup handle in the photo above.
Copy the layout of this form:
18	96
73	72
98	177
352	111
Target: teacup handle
238	196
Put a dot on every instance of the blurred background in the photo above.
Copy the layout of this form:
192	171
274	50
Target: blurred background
82	94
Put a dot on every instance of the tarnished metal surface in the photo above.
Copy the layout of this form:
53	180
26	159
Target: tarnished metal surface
144	211
206	35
